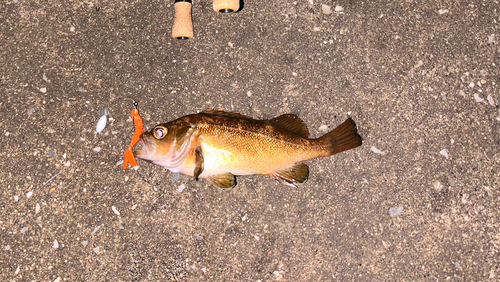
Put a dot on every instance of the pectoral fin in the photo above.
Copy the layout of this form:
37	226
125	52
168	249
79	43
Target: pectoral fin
298	173
224	180
198	169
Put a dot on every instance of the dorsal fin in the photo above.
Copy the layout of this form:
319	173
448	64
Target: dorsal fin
221	112
291	123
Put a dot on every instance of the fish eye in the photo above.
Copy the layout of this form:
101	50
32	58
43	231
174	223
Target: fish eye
160	132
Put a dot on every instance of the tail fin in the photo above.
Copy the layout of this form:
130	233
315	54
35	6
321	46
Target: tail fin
342	138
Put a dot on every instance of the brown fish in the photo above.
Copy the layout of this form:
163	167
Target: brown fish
217	145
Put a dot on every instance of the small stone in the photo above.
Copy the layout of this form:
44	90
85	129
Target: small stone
7	247
24	230
443	11
37	208
491	38
16	198
327	10
43	90
490	100
72	28
96	250
395	211
95	230
181	188
316	28
29	194
134	207
17	270
85	243
478	99
103	112
120	225
175	177
338	8
97	149
438	186
444	153
464	198
323	128
56	244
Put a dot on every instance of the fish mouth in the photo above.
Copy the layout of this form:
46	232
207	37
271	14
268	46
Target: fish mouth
142	149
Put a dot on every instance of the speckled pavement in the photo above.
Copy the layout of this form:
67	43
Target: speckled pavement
418	201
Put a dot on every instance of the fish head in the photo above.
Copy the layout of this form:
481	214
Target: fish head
165	145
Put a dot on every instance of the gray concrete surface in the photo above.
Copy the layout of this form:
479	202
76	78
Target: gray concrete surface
417	202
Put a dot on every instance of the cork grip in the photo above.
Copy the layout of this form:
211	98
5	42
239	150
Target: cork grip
226	6
183	25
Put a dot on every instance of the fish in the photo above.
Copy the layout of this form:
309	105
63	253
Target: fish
216	145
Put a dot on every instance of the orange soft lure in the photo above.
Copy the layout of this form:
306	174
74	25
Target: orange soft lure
139	129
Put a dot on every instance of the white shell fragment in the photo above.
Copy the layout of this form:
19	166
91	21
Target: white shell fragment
443	11
444	153
101	124
115	210
376	151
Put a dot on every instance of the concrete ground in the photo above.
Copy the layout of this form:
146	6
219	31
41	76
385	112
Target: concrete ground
418	201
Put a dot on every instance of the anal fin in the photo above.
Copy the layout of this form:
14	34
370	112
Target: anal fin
225	180
298	173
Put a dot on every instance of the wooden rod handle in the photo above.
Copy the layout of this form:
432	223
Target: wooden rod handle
226	6
183	24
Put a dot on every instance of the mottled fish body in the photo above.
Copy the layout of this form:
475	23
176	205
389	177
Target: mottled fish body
217	145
